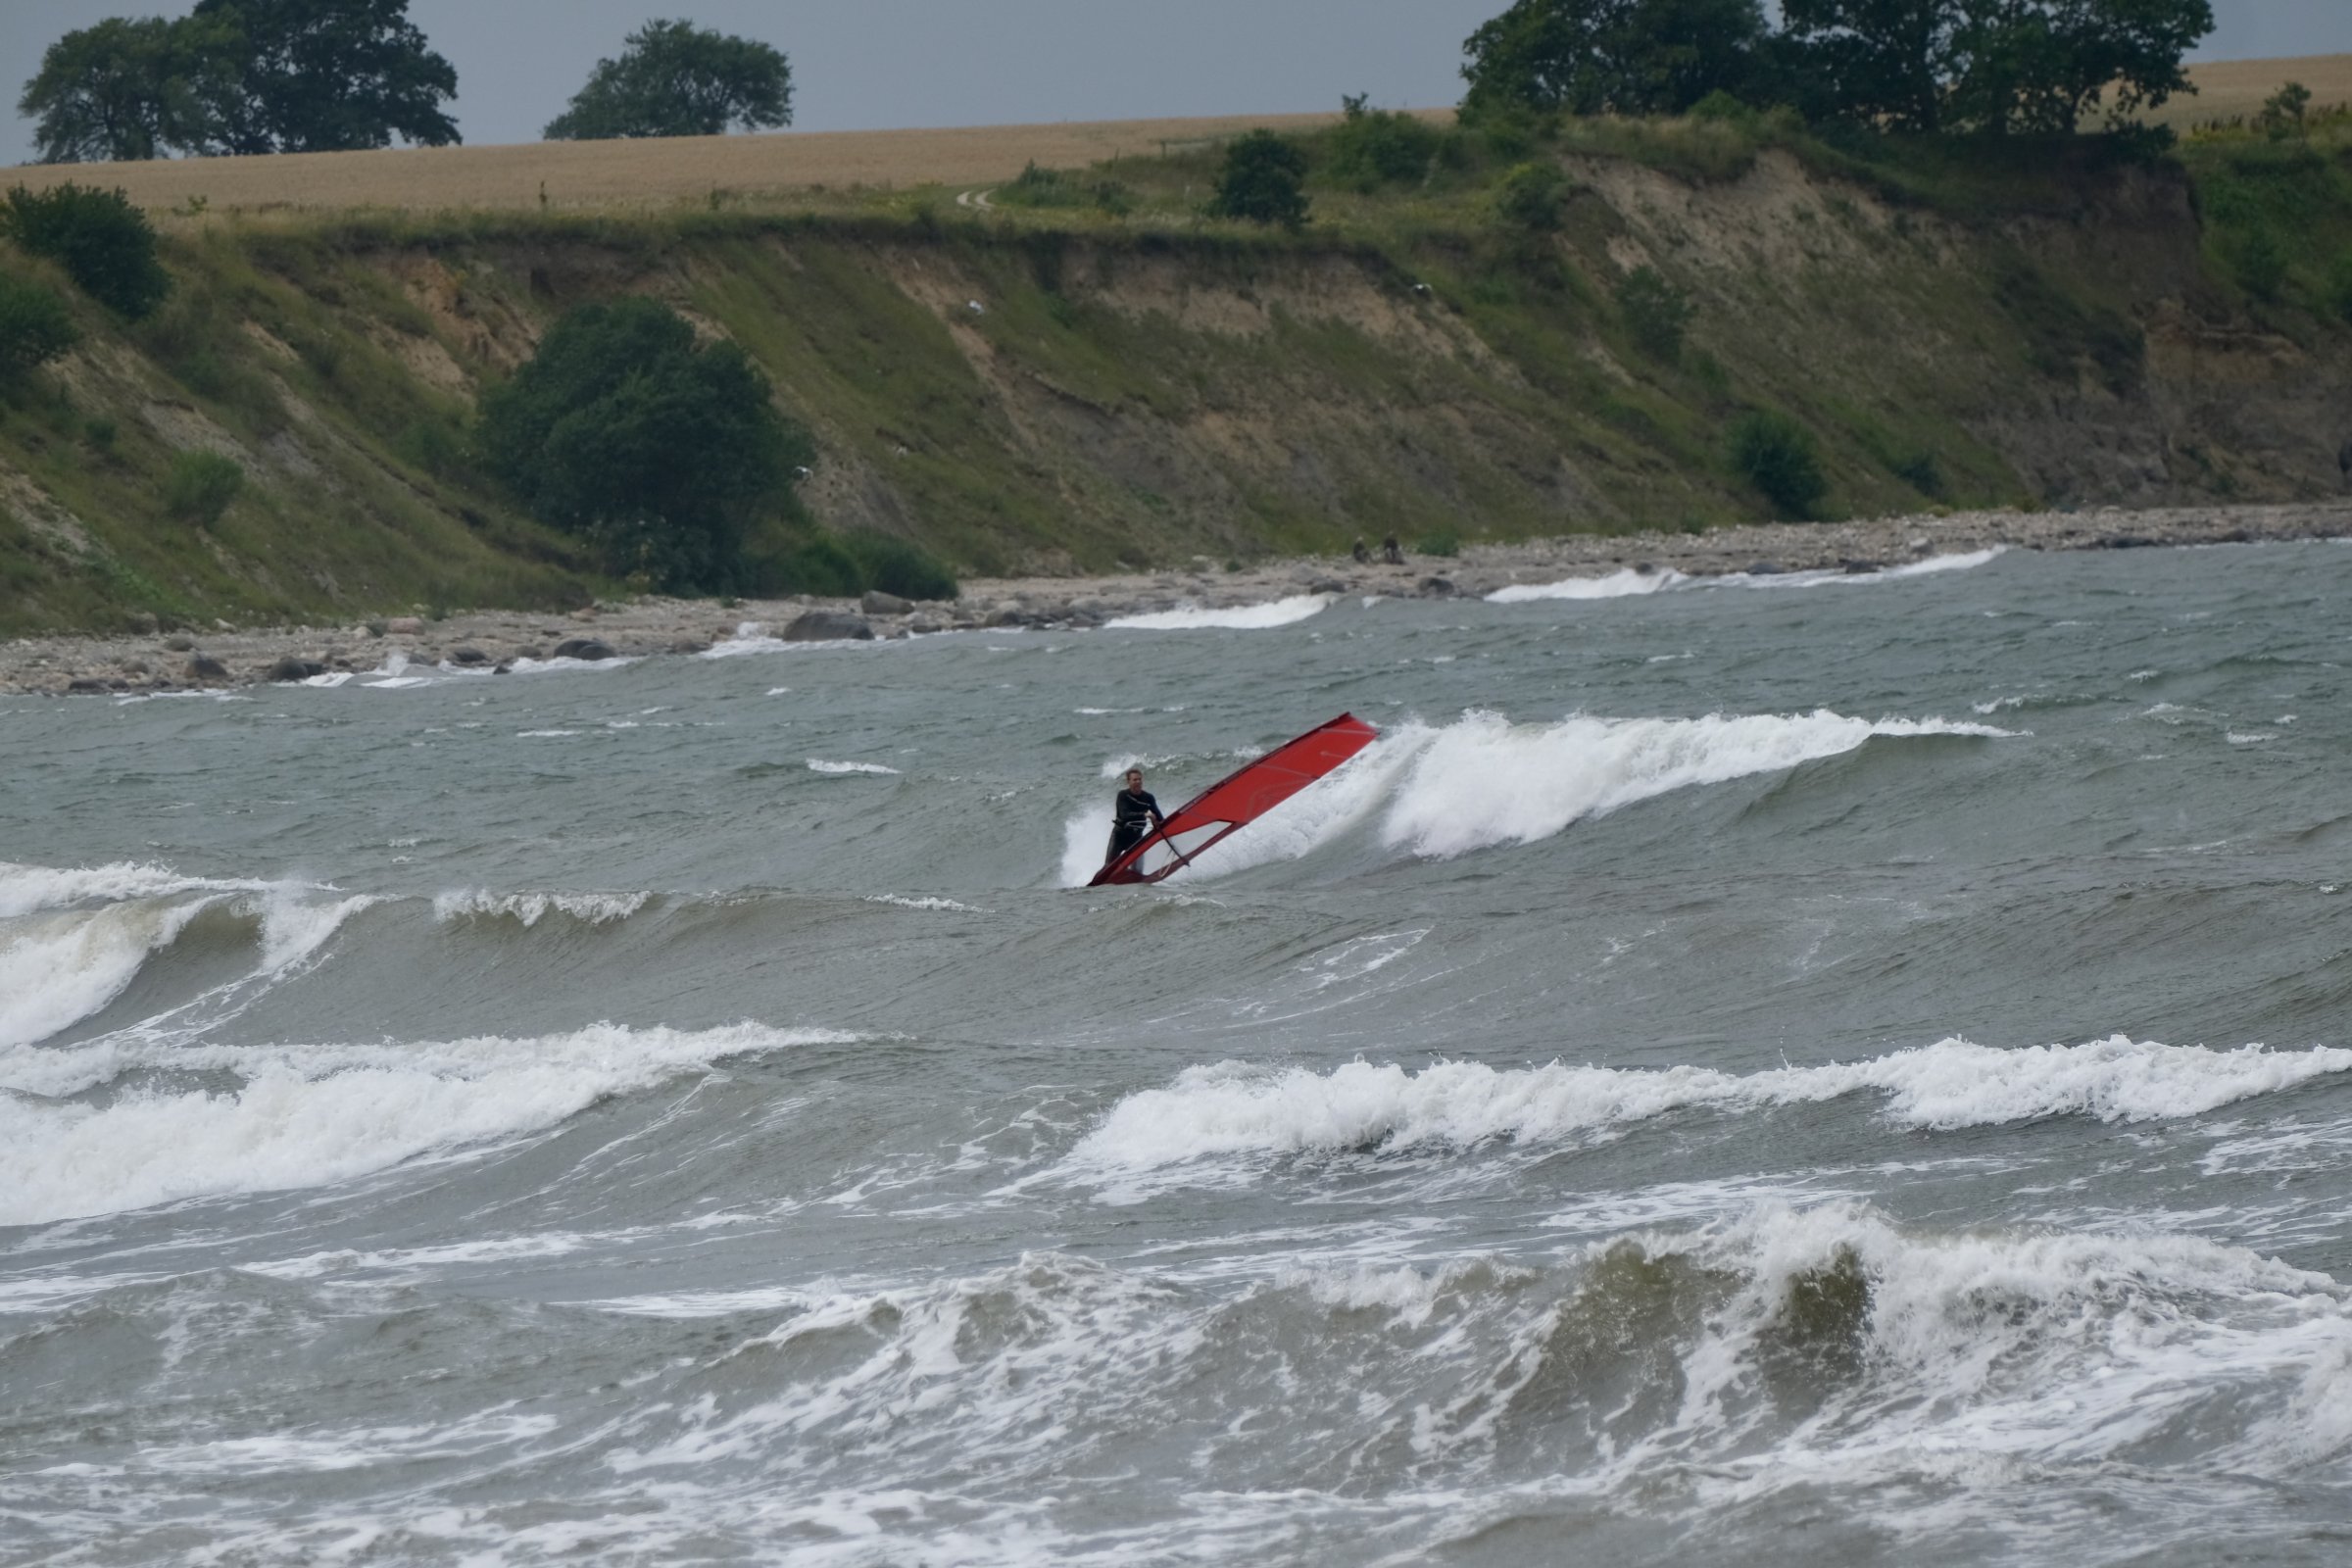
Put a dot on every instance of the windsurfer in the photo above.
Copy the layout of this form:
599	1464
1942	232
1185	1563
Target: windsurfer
1132	815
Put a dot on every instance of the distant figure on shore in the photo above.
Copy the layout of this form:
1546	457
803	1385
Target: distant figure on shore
1363	557
2344	464
1392	552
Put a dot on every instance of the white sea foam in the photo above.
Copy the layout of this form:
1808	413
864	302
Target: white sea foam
1628	582
27	888
944	905
59	968
1931	566
312	1115
530	908
61	960
818	765
1237	617
1236	1109
1482	782
1622	584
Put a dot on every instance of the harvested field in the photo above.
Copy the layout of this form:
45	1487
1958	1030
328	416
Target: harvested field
609	175
2232	89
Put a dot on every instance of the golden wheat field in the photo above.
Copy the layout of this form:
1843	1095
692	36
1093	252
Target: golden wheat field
623	174
2234	88
606	175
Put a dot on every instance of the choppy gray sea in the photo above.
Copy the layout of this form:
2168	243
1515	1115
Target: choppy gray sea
1808	1070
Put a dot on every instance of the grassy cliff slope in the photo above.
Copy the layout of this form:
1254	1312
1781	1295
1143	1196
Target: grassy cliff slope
1085	372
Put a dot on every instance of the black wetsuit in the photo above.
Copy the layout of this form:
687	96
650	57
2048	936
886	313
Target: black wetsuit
1131	819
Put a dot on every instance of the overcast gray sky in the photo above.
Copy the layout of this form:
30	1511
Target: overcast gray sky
862	65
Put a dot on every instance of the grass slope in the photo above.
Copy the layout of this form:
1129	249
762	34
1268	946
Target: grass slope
1092	373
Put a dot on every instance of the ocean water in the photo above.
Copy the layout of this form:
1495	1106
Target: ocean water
1816	1071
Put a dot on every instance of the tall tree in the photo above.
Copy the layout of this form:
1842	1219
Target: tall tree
674	78
329	75
2041	67
129	88
2016	67
1882	61
1626	57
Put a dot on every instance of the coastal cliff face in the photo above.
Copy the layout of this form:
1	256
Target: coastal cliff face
1023	399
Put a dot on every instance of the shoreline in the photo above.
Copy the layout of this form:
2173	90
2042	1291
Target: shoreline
225	657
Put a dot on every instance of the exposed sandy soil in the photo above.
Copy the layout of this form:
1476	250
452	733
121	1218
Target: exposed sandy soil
490	639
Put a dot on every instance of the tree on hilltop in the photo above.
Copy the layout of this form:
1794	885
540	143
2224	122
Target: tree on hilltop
241	77
2005	67
329	75
1615	57
128	88
674	78
1261	181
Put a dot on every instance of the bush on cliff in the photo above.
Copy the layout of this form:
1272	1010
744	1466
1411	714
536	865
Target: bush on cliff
1777	456
105	244
35	326
201	485
1374	147
664	454
1261	181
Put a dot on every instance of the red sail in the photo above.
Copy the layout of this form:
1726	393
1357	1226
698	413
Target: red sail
1233	802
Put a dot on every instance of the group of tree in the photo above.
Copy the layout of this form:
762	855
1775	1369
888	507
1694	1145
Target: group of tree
2001	66
241	77
331	76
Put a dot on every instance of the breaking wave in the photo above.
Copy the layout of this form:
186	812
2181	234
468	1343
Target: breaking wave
309	1116
530	908
1237	617
1623	584
1233	1108
1630	582
1483	782
74	940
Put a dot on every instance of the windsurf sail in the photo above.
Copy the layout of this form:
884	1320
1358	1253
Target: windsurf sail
1235	802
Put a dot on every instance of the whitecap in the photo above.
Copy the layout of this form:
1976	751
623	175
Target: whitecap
312	1115
530	908
1233	1108
1237	617
1621	584
820	765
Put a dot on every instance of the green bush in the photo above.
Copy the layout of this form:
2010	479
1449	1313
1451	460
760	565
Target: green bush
1038	188
1529	197
1777	455
2260	262
201	485
104	243
1656	313
2340	287
836	566
664	454
1438	542
897	567
1375	147
1260	181
35	326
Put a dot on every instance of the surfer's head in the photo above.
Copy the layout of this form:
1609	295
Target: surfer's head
1135	778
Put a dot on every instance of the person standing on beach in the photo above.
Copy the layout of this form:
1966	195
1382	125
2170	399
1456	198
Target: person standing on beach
1130	815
